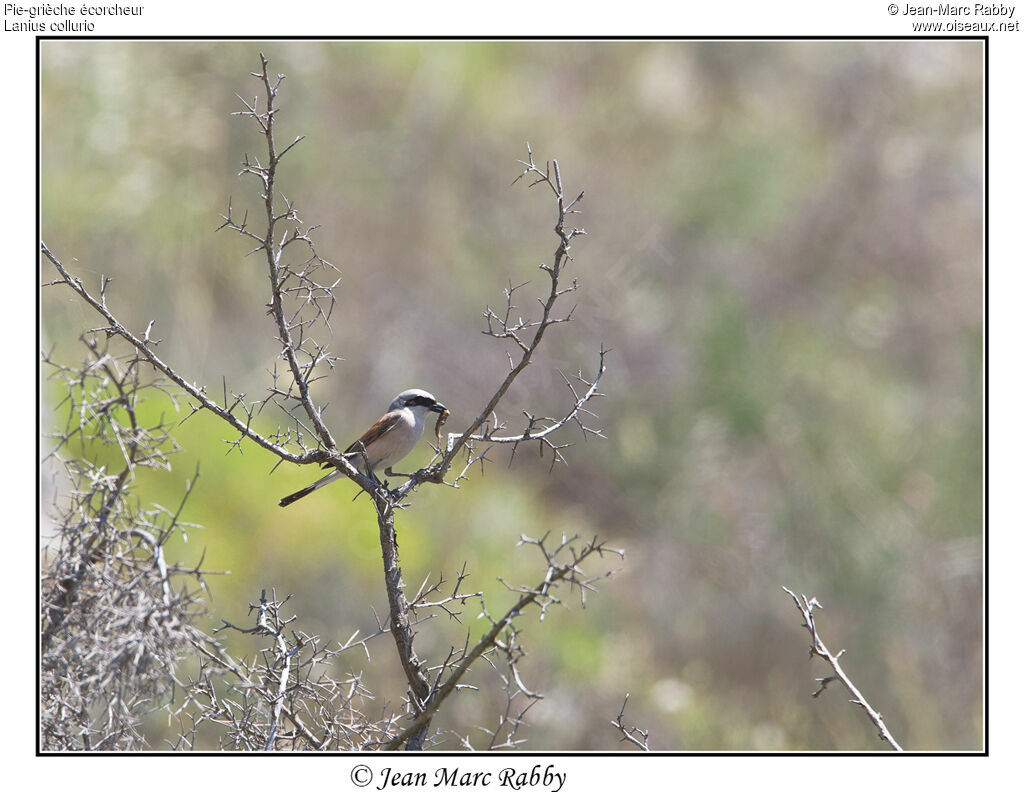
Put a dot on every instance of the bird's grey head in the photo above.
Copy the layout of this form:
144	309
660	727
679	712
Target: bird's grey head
416	398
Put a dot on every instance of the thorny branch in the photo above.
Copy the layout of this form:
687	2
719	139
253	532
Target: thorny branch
115	616
291	283
315	300
541	595
486	426
299	304
424	696
633	734
511	718
284	699
146	349
806	607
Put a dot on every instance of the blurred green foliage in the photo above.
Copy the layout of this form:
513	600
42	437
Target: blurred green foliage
784	250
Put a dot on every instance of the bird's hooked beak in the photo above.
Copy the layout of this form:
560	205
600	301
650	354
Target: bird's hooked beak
438	407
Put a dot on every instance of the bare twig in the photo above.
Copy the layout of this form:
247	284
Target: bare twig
540	595
512	717
818	648
518	331
633	734
315	300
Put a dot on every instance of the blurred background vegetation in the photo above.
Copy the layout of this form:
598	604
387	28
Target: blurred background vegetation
784	251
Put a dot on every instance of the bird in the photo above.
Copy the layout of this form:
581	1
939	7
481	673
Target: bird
388	441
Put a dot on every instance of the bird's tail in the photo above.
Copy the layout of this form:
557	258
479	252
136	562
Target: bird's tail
302	493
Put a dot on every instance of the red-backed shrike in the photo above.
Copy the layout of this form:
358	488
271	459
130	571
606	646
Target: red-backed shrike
388	441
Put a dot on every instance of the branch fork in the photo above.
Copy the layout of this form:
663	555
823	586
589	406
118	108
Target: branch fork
818	649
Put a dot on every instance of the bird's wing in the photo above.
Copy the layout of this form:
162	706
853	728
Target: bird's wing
384	424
